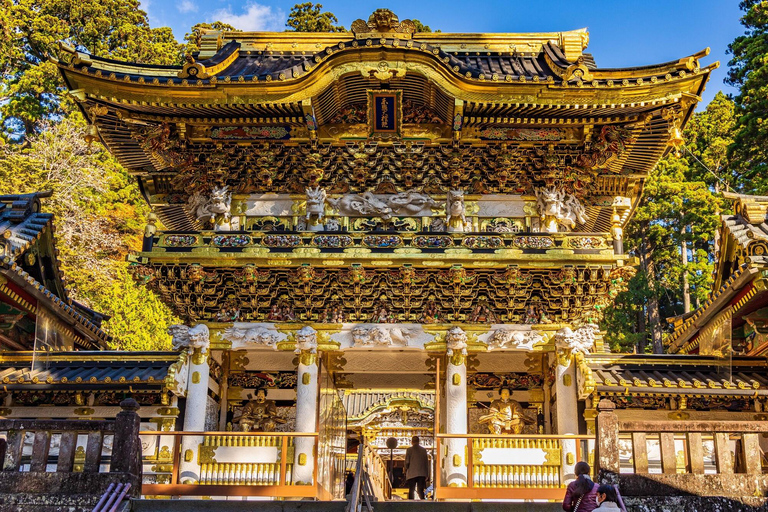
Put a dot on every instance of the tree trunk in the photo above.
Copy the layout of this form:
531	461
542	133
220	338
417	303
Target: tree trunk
686	285
654	316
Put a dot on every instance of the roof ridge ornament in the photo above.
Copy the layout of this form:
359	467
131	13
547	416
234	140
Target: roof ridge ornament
193	69
384	21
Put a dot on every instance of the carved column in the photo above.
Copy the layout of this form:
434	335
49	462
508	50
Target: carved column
455	463
567	343
307	394
197	341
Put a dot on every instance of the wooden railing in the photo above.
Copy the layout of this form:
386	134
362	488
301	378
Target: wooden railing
658	458
69	459
505	467
227	464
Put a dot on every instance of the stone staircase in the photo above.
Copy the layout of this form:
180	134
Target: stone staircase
333	506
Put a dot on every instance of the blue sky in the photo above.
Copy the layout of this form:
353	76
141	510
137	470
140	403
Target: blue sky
622	32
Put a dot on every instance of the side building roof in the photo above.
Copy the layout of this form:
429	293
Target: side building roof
740	280
32	284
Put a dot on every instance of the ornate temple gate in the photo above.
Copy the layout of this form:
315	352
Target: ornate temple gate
342	209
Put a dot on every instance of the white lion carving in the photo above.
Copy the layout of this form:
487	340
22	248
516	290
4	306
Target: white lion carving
582	340
456	340
409	202
558	209
257	335
380	335
214	209
197	337
361	204
455	211
507	338
306	340
315	203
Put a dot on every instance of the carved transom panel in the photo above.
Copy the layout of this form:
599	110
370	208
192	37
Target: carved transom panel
407	294
512	167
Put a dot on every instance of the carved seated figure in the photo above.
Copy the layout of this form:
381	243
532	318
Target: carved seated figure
259	415
505	415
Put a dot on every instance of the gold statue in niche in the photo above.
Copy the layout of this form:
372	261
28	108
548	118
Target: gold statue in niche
505	415
259	415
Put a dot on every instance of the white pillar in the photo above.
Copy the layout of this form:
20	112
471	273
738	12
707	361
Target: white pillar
196	339
567	343
307	394
455	463
567	412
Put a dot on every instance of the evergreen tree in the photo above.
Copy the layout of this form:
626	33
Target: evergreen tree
30	85
307	17
672	234
749	72
420	27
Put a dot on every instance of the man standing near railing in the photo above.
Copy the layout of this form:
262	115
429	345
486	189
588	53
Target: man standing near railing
416	468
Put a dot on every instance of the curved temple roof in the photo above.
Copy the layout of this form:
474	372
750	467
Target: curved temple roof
289	87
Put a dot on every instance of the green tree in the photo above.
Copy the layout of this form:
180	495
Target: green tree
194	38
749	72
420	27
99	218
308	17
672	234
30	85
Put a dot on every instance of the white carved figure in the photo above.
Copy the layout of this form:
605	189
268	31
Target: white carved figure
315	203
380	335
257	335
582	340
361	204
190	337
455	211
437	225
508	338
409	202
559	210
456	340
306	340
215	209
332	224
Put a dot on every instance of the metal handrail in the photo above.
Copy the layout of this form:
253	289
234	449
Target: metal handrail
354	498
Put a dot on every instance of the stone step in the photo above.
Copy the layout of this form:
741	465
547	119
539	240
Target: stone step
334	506
234	505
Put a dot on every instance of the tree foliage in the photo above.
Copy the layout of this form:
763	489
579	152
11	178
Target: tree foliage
308	17
30	83
99	217
749	71
680	210
420	27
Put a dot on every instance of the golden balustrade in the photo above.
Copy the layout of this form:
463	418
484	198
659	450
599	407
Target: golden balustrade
508	466
267	473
